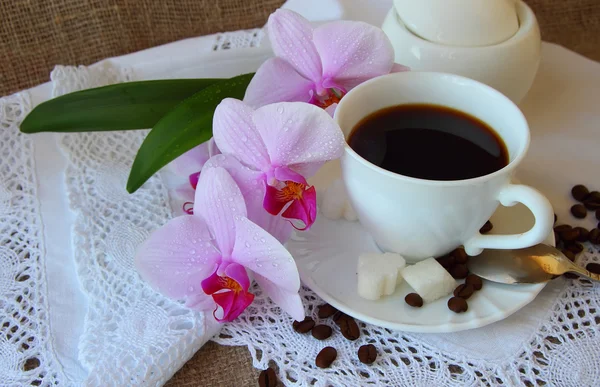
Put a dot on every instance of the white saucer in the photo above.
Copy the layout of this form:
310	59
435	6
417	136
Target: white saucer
327	255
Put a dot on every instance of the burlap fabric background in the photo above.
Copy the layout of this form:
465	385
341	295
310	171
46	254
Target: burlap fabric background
37	34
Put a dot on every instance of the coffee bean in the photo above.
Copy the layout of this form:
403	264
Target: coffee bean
598	214
487	227
338	317
555	218
568	254
594	236
475	281
592	201
593	267
460	255
367	354
574	247
583	234
304	326
594	195
326	311
571	275
446	261
464	291
321	332
326	357
459	271
569	235
579	211
267	378
557	238
562	228
414	300
349	328
580	192
457	305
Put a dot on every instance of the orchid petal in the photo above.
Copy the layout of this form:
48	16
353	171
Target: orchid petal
236	135
272	201
277	81
213	149
298	134
286	174
232	303
398	68
260	252
331	109
304	209
200	301
219	201
191	161
353	52
184	192
193	179
238	274
275	225
291	37
290	302
177	257
246	179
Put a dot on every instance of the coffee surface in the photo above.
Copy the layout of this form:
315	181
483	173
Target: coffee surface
429	142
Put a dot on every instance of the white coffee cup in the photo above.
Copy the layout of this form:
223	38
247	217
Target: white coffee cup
426	218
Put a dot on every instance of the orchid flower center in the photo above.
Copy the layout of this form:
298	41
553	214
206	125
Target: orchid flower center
291	191
230	283
328	97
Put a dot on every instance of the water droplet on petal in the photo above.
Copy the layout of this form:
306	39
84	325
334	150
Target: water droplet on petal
247	244
280	110
263	240
191	289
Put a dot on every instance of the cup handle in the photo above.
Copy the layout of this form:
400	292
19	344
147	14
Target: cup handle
508	197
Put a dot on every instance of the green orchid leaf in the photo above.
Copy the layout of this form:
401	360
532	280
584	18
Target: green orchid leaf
189	124
130	105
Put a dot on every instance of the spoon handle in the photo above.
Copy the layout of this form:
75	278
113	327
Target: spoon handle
584	272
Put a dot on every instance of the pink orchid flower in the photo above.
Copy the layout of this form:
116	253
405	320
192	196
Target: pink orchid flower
205	258
253	188
319	65
287	143
189	166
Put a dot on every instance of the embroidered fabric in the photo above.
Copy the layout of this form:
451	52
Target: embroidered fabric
132	335
26	349
238	39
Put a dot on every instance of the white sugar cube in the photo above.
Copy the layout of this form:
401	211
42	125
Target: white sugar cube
429	279
378	274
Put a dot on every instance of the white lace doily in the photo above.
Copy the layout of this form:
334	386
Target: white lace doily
26	349
562	351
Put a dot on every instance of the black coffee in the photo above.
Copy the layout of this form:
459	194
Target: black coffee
429	142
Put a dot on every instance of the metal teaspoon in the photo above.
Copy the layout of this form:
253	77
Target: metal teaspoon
539	263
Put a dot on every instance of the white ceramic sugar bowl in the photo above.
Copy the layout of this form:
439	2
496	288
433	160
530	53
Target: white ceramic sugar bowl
498	49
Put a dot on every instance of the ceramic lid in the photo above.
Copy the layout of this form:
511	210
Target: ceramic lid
460	22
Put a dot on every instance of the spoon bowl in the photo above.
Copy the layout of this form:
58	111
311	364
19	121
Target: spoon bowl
536	264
